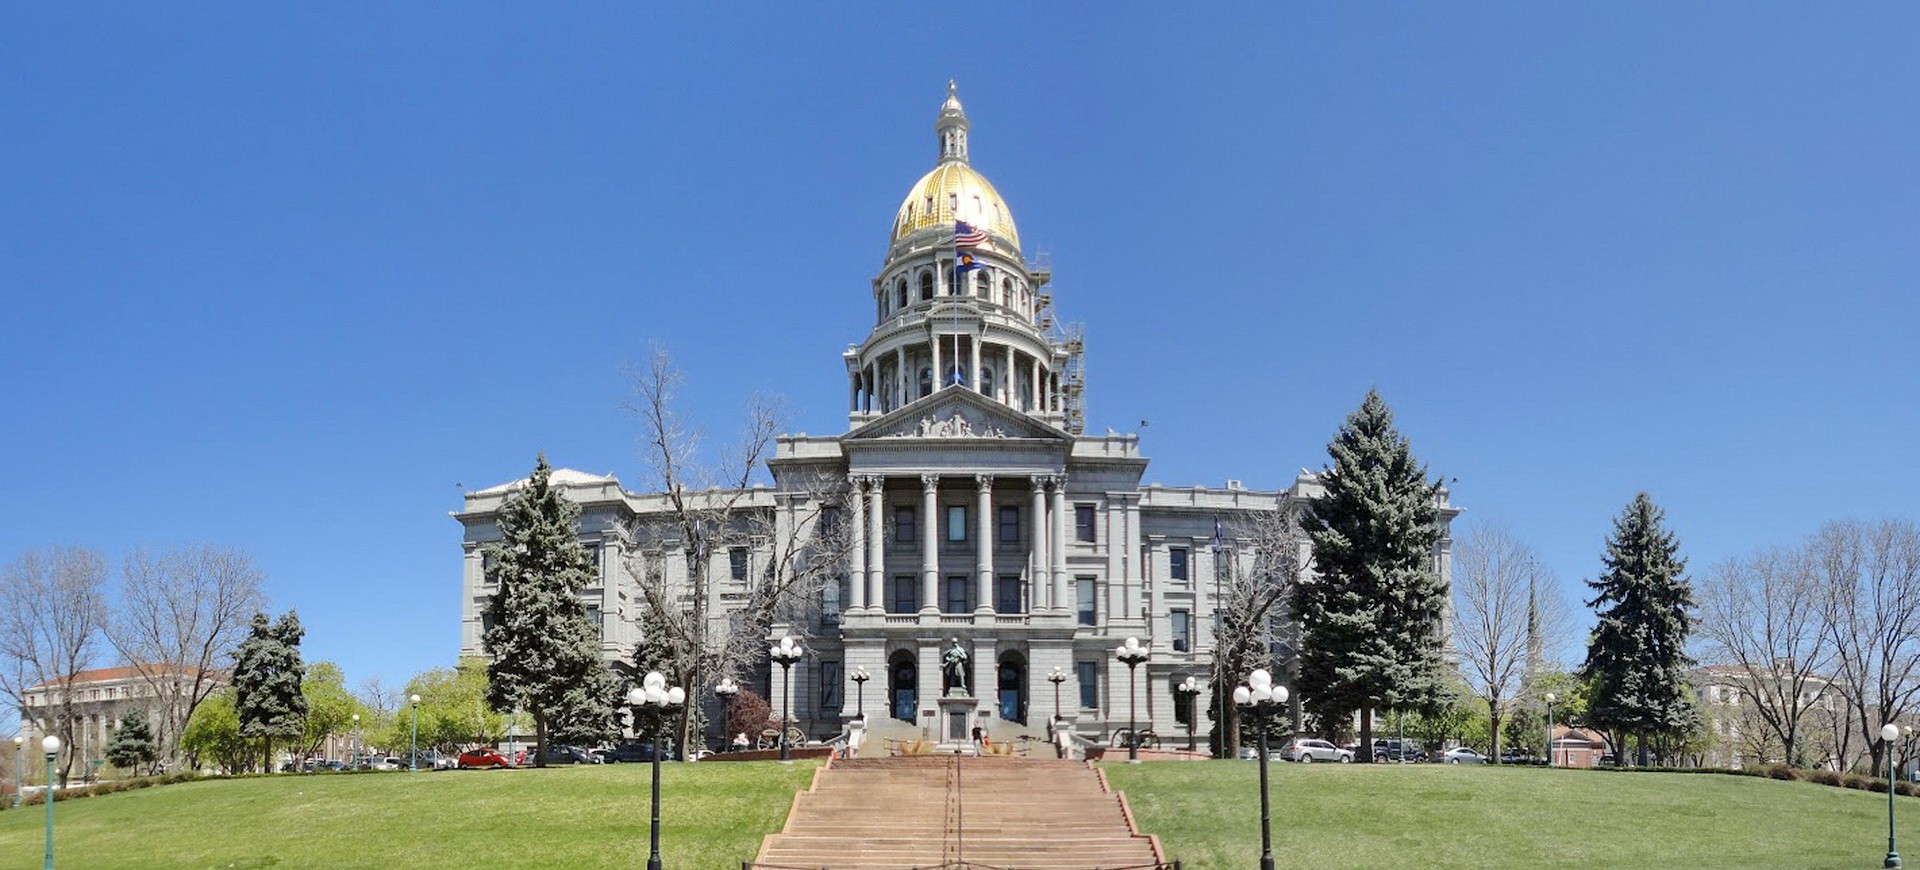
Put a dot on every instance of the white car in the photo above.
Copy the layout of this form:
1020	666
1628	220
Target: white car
1462	755
1307	750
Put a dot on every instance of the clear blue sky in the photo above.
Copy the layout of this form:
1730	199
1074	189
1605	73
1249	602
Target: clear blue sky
281	279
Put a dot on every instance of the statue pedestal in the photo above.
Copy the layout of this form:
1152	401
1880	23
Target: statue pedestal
958	713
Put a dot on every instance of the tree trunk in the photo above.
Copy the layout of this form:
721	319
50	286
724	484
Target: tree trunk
1493	717
1640	741
266	755
1365	755
539	738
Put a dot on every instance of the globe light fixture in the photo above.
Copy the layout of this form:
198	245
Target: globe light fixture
654	703
413	755
1260	699
786	652
726	689
1188	690
1132	654
1550	700
51	746
19	765
1888	734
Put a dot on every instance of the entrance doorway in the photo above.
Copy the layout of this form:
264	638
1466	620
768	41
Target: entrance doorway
1012	686
903	680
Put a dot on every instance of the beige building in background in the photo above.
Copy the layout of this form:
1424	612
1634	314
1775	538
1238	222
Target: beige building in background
101	697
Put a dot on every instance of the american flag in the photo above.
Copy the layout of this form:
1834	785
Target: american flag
966	235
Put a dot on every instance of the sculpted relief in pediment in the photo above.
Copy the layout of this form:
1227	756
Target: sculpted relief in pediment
961	422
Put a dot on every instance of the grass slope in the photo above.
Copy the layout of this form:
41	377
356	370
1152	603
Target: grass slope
712	816
1429	816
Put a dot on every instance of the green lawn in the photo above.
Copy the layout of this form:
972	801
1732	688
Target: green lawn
1207	814
1432	816
712	816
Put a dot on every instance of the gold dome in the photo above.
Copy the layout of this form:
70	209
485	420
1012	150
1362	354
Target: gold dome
953	191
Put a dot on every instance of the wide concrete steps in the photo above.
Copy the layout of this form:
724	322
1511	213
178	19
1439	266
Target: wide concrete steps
900	813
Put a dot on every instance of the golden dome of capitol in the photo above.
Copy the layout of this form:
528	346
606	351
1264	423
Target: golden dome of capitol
953	191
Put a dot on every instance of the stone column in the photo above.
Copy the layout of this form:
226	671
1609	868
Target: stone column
1062	598
1006	379
1037	583
983	542
876	579
1135	566
1033	375
857	507
929	543
901	374
973	377
939	374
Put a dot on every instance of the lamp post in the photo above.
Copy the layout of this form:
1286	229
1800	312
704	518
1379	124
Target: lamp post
51	746
1550	700
860	678
1888	734
413	750
19	765
1132	654
1057	677
654	703
1260	699
1188	690
351	740
786	653
726	689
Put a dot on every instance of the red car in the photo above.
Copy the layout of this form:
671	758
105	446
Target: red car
483	758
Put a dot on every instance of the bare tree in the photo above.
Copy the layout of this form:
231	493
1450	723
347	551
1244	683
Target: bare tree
1871	611
1252	618
1763	615
181	615
52	608
711	508
1505	615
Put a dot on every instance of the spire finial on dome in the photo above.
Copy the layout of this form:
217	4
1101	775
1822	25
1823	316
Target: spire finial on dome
951	128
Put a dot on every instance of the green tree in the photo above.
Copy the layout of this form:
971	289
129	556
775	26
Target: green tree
453	709
132	746
1636	657
330	707
1371	619
545	652
213	735
267	677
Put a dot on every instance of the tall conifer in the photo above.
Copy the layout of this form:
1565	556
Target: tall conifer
267	673
1371	618
1636	657
545	651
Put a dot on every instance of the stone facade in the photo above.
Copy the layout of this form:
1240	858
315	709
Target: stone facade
977	507
100	697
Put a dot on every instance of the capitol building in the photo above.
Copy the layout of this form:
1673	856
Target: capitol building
978	508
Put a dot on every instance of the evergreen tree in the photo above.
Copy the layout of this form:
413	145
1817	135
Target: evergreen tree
545	652
1636	657
132	745
267	674
1371	619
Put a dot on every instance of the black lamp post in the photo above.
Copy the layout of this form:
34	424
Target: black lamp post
413	746
726	689
786	653
1888	734
1057	677
1550	700
653	703
1260	699
1188	690
1132	654
860	678
51	746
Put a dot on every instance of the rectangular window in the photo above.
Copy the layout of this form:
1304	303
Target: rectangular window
1089	679
956	522
1083	590
906	598
903	525
1010	524
829	685
1176	563
1182	630
1006	594
1083	523
956	598
830	597
737	563
830	521
599	627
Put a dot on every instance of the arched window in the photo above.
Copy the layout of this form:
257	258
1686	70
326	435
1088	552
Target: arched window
1026	394
986	380
926	285
956	375
1006	292
926	381
900	297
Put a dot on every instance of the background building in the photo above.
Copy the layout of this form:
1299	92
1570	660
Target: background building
978	508
100	698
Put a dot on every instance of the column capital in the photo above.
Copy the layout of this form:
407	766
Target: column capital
984	482
929	482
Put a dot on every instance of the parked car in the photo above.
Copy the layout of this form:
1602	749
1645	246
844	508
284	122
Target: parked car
1518	756
1462	755
636	752
482	758
1307	750
1395	749
565	755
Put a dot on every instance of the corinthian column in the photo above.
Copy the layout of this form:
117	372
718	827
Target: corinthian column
983	542
1062	599
929	543
876	559
1037	582
857	553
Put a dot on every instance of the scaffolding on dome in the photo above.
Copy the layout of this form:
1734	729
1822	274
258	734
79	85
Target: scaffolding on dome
1070	338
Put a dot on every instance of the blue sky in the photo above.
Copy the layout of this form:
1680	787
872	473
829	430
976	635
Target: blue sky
284	278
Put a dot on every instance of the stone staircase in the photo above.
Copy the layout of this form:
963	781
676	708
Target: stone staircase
904	813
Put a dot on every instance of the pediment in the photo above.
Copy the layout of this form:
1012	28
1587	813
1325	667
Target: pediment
956	414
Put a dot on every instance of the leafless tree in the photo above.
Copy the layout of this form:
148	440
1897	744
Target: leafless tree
712	508
52	607
1763	615
181	615
1870	573
1269	555
1506	614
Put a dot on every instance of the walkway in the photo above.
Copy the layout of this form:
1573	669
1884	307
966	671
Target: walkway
902	813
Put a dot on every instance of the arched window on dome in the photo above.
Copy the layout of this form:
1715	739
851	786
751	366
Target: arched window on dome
900	295
987	383
953	203
1006	292
926	285
926	381
996	212
1026	394
929	209
956	376
977	207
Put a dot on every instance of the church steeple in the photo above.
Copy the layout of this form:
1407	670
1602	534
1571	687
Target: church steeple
951	128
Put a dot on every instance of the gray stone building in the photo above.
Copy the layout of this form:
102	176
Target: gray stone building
977	506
